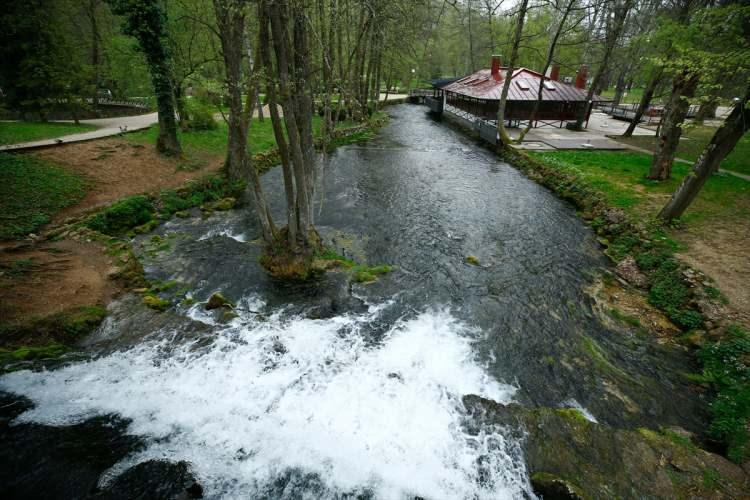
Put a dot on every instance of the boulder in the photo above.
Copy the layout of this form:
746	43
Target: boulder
217	301
628	270
568	456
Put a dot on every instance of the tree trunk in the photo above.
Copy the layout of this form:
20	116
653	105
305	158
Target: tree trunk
620	86
721	144
95	59
146	22
547	63
619	21
504	137
277	13
648	94
230	16
683	88
707	110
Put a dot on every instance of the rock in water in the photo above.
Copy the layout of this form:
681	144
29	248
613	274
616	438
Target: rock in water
569	456
217	300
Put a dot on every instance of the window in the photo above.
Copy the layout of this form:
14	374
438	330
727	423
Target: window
549	86
522	85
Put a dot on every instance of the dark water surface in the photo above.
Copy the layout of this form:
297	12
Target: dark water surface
325	391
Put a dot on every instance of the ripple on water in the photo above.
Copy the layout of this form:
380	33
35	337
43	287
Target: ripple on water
315	396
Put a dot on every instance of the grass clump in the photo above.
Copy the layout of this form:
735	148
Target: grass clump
670	293
726	366
122	216
30	352
156	303
207	189
32	191
473	260
364	274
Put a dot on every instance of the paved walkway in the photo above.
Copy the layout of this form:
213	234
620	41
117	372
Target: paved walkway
107	128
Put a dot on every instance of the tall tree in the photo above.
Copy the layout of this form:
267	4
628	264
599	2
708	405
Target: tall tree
230	21
146	21
522	9
565	11
619	13
707	45
721	144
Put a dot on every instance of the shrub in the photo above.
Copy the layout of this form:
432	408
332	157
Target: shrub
725	366
201	116
122	216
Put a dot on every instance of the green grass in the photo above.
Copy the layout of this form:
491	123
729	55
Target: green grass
620	177
695	138
15	132
214	142
726	366
633	95
31	191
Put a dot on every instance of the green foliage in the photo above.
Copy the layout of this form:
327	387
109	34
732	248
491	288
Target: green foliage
198	192
726	365
622	245
28	353
17	132
122	216
31	191
42	65
670	293
156	303
201	116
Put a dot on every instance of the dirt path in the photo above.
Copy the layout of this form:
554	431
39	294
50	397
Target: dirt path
724	257
117	168
39	278
47	278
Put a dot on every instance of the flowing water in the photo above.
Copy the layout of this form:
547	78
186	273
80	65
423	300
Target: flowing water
326	391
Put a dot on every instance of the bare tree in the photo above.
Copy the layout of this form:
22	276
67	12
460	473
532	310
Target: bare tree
522	9
619	13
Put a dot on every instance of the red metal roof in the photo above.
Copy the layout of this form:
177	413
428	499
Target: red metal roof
524	86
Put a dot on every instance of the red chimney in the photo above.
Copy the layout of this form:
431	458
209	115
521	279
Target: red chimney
495	72
555	73
581	76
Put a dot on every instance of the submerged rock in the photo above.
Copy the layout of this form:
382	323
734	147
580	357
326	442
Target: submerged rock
151	480
569	456
217	300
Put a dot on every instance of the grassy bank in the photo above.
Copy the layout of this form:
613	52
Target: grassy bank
610	190
694	139
620	178
16	132
31	191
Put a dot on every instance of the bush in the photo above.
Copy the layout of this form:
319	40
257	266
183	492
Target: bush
122	216
725	366
201	116
671	294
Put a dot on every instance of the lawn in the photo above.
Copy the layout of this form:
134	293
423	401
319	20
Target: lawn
31	191
15	132
631	96
691	146
620	176
214	142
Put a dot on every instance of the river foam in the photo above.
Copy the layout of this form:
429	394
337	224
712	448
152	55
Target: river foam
319	397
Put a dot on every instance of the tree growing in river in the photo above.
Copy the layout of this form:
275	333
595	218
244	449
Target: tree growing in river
146	21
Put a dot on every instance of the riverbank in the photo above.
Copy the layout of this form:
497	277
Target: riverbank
609	191
72	252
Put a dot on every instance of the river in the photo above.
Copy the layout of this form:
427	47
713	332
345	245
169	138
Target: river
329	391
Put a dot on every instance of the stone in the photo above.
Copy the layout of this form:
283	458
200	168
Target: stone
473	260
628	270
614	216
217	301
569	454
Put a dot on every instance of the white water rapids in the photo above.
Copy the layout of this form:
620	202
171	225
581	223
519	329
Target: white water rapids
273	395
